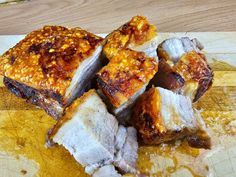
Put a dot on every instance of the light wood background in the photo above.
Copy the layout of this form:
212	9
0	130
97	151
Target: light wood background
102	16
23	126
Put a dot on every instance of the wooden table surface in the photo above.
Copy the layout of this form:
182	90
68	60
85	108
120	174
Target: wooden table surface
102	16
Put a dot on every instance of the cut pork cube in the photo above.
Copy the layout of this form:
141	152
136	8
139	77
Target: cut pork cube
92	135
137	34
161	115
124	79
52	66
183	67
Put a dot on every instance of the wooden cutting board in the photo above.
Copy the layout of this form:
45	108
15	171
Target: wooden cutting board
23	127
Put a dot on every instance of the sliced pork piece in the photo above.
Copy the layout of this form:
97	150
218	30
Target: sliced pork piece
52	66
161	115
124	79
107	171
183	68
93	137
126	151
137	34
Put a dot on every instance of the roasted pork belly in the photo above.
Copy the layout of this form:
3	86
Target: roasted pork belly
124	79
183	67
137	34
92	135
161	115
52	66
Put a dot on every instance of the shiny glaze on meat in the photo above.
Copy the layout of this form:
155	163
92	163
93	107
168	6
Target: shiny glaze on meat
47	58
135	32
126	74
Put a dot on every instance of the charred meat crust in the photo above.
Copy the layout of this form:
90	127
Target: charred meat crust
156	139
205	83
152	130
175	77
135	32
197	70
199	140
47	58
108	91
36	97
126	74
167	78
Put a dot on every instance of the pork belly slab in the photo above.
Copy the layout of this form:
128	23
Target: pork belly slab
183	67
52	66
137	34
161	115
95	139
124	79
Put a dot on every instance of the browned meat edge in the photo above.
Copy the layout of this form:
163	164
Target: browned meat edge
204	85
167	78
36	97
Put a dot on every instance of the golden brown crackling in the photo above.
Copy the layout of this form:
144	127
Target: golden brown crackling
148	120
200	139
46	59
126	74
193	66
147	115
135	32
70	110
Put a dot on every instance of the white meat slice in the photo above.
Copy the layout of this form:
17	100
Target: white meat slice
123	113
176	111
120	137
149	47
106	171
91	134
176	47
126	155
85	72
161	115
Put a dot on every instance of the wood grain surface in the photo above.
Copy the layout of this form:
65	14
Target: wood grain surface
23	126
102	16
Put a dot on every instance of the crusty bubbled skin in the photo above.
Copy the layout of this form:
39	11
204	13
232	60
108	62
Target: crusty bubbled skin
46	59
125	74
192	67
134	33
